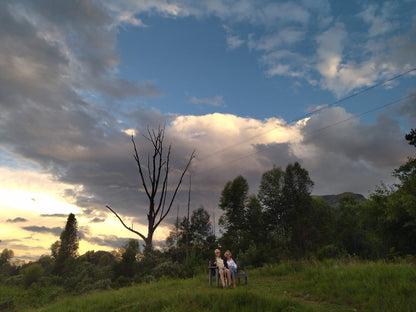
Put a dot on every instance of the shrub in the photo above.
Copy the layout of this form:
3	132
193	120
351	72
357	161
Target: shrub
170	269
32	274
330	252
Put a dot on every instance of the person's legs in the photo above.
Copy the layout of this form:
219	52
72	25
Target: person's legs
228	277
232	273
221	272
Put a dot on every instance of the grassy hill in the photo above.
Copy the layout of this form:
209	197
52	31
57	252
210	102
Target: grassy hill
292	286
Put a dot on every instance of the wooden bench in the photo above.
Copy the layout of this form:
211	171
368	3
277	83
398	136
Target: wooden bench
242	274
213	270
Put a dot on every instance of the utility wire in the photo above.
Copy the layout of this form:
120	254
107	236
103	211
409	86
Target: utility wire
312	112
312	132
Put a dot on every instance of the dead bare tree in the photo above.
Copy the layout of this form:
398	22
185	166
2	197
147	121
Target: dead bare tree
155	185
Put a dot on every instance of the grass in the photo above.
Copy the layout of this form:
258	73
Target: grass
292	286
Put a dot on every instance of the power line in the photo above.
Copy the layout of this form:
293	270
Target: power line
314	131
312	112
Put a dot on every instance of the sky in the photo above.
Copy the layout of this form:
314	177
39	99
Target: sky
248	84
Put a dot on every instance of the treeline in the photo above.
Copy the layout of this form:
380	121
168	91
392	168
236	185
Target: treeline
282	221
187	250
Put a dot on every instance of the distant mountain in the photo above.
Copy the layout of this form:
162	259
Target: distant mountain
334	200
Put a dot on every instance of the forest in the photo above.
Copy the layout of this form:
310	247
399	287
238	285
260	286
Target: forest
282	222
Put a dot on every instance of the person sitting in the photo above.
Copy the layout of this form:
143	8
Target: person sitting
222	268
232	266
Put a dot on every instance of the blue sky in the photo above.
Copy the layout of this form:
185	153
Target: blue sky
248	84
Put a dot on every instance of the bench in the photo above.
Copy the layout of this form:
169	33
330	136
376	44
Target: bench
241	274
213	271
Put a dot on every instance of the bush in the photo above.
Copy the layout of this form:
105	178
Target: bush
330	252
170	269
32	274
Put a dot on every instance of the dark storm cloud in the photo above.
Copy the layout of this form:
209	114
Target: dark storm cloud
335	131
275	155
16	220
342	149
55	57
407	108
43	229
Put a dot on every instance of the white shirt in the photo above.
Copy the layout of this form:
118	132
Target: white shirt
231	263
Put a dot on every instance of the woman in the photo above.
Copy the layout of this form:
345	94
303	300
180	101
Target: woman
232	265
222	268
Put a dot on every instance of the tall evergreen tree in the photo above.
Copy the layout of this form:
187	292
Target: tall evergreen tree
67	249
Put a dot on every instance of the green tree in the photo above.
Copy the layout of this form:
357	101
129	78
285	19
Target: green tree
128	266
270	196
255	231
5	256
200	225
200	237
411	137
321	225
390	214
297	201
233	202
349	230
68	246
6	267
287	202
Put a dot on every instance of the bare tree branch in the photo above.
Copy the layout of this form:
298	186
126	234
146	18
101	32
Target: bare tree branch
137	158
176	190
122	222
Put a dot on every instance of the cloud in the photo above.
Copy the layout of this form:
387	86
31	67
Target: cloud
282	37
407	107
97	220
53	64
128	18
233	40
58	67
379	17
43	229
305	40
215	101
335	140
16	220
54	215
